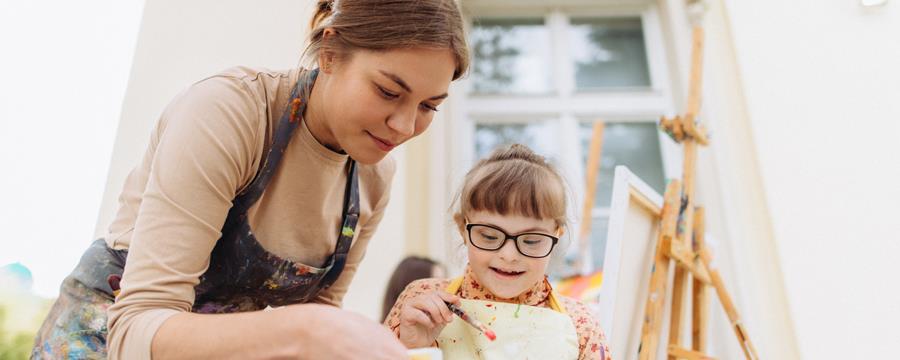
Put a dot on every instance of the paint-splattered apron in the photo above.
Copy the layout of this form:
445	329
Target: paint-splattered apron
523	331
242	275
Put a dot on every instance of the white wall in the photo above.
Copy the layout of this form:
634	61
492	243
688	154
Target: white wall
822	87
182	42
65	67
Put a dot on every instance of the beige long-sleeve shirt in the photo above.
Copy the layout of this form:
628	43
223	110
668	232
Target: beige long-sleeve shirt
207	146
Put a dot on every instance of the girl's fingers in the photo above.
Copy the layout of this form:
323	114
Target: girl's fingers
451	298
419	317
427	305
446	314
440	312
413	315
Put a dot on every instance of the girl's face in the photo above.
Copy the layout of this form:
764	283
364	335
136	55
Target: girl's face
505	272
375	101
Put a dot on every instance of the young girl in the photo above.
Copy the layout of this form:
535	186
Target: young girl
512	211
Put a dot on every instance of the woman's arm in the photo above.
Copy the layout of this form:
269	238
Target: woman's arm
309	331
200	154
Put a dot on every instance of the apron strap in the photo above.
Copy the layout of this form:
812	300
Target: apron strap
555	304
290	121
454	285
283	134
347	230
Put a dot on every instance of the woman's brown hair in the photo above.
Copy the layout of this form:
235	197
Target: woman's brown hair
380	25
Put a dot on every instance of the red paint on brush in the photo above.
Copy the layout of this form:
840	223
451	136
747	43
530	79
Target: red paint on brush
490	335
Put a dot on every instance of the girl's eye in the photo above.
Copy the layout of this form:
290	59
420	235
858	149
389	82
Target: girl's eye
488	237
387	94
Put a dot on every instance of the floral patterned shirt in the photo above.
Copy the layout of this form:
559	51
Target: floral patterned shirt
591	340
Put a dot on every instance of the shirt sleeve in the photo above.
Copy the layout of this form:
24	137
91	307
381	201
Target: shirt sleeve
201	153
412	290
592	343
334	295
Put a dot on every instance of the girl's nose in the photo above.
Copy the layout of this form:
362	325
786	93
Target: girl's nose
508	251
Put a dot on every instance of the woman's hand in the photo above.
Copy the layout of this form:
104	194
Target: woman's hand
303	331
332	333
423	317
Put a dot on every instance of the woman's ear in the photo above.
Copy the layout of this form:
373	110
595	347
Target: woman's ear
326	56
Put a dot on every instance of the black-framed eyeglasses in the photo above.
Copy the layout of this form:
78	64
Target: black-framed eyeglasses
492	238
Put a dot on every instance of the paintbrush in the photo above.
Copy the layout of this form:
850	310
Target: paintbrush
472	321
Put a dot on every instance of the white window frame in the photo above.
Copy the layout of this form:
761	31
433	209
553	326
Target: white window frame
465	110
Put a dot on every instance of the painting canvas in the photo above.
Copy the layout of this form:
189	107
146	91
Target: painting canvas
630	246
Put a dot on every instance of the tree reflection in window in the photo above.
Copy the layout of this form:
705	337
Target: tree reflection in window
510	56
609	53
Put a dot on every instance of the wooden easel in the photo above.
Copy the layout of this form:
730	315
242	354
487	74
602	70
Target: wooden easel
681	240
593	170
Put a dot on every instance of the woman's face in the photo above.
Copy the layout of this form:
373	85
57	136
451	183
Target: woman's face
375	101
505	272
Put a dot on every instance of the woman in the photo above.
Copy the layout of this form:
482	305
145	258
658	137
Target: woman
261	189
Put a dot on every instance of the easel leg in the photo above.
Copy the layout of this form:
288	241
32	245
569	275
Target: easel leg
700	333
699	308
730	310
653	311
681	279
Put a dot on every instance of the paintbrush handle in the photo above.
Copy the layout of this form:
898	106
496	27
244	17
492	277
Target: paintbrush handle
471	321
462	315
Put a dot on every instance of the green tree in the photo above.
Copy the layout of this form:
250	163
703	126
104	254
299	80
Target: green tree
13	346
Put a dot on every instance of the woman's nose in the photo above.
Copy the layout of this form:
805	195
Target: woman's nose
403	122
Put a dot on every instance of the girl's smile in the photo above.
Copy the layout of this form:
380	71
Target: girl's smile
507	274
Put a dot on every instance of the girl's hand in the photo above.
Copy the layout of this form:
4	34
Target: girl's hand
423	317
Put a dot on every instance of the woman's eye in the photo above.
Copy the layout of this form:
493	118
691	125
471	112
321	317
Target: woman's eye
429	107
387	94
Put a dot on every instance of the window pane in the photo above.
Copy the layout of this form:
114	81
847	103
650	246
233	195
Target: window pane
599	227
609	53
510	56
540	136
635	145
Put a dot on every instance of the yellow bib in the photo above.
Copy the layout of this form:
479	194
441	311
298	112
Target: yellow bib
523	331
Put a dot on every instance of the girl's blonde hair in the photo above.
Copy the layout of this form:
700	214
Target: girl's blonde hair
514	180
379	25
